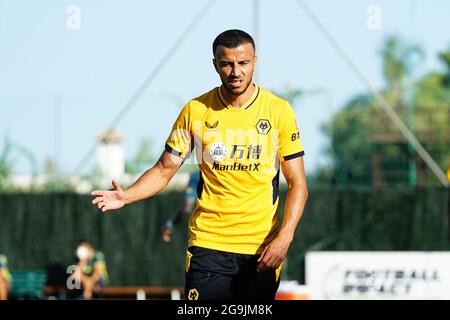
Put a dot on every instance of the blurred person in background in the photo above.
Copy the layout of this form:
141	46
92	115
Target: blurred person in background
186	208
91	272
5	278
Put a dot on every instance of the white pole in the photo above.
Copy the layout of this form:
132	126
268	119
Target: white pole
256	34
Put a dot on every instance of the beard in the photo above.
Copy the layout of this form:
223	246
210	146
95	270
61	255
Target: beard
236	91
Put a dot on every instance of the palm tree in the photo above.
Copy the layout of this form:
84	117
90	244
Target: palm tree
397	58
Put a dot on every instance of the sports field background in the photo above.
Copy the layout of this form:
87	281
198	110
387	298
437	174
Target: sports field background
41	230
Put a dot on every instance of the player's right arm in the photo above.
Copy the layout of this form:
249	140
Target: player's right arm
150	183
178	146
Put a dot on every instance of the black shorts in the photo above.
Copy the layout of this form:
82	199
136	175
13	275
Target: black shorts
219	275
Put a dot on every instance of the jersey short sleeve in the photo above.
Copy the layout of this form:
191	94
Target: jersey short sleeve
289	138
100	263
180	140
99	257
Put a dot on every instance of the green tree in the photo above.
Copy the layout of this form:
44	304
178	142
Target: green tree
349	134
142	159
445	59
365	146
6	164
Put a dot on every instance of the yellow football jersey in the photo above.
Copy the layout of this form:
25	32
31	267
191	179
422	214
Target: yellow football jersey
238	151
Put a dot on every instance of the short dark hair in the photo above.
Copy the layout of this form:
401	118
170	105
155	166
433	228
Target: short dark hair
83	241
232	38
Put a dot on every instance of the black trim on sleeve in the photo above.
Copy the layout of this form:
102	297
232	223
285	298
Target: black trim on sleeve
171	150
293	156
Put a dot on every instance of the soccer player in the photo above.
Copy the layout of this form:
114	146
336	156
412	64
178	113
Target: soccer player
5	278
242	135
188	204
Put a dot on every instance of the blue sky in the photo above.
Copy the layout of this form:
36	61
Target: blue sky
96	69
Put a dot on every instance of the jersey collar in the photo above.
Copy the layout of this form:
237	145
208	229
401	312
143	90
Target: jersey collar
246	105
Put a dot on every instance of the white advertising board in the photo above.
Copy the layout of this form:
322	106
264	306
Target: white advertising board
378	275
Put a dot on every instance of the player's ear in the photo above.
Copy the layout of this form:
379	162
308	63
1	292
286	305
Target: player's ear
214	64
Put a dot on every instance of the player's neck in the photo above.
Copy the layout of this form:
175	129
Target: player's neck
237	101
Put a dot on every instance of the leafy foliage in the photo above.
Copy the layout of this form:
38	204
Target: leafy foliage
366	148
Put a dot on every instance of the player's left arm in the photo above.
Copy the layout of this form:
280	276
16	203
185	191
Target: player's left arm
275	252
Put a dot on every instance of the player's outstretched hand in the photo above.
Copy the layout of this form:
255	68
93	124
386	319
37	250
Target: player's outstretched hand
109	199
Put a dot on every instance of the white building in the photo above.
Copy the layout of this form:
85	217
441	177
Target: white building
110	156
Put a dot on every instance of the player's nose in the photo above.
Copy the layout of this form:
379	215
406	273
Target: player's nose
236	70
